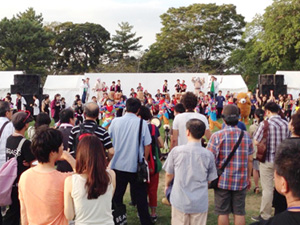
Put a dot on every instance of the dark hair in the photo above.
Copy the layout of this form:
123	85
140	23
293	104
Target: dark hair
196	127
189	101
260	114
46	97
62	98
42	119
90	159
65	115
18	93
133	105
272	107
287	164
45	141
8	93
4	107
295	121
231	123
77	96
179	108
8	98
55	96
91	109
145	113
36	96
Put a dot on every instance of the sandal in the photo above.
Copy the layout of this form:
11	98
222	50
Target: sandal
256	190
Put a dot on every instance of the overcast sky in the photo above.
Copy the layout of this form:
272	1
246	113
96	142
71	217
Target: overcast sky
142	14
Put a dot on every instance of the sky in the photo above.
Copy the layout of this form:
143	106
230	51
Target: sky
142	14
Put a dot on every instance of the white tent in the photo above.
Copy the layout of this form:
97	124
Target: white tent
66	85
292	80
150	81
232	83
7	79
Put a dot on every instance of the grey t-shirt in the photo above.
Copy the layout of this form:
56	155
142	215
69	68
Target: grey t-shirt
193	166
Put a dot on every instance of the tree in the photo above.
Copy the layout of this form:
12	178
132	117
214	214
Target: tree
78	47
24	43
198	37
124	40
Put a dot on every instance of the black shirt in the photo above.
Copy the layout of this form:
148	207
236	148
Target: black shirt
64	166
25	155
284	218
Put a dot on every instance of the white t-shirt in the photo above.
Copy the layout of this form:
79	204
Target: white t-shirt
180	124
8	130
36	107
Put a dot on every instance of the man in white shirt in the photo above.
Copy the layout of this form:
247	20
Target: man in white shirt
35	106
7	129
189	101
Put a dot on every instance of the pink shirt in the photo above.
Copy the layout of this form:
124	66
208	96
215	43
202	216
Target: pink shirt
42	197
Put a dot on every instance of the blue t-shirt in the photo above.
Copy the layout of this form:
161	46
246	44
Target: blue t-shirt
220	100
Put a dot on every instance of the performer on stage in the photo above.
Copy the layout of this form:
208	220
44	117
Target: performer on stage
139	88
198	84
118	86
183	87
109	112
84	90
157	95
113	86
213	86
104	87
88	89
163	110
99	89
177	86
165	87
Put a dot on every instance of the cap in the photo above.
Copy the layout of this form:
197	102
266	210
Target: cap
231	112
21	118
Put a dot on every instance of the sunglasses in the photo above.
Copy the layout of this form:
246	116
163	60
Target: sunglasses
28	115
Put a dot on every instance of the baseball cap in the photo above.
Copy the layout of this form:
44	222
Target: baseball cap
19	119
231	113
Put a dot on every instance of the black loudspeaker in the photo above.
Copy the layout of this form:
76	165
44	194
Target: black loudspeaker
27	80
280	90
265	89
266	79
16	88
279	80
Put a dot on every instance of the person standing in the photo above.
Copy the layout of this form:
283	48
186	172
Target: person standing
46	104
55	107
231	193
177	86
183	87
118	87
124	132
194	167
35	106
220	99
278	131
189	101
7	129
21	102
25	158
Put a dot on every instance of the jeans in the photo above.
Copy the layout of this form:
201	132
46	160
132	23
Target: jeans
139	190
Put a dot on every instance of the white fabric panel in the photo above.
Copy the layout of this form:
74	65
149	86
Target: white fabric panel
232	83
66	85
7	79
292	80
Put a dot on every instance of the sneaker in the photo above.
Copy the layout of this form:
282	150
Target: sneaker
154	219
257	218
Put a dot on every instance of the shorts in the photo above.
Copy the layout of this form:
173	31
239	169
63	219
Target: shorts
227	202
255	164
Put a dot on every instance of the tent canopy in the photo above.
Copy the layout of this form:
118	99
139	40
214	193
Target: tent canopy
232	83
66	85
7	79
292	80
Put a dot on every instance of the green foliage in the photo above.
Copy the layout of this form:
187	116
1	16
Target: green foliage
196	38
124	40
24	43
78	47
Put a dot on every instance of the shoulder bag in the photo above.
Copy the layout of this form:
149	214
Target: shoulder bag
262	145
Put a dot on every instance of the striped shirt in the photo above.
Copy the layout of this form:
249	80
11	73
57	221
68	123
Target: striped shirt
100	132
278	131
221	144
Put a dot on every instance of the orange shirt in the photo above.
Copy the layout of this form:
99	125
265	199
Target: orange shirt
42	197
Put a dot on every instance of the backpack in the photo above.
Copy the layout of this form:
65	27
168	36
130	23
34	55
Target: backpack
8	175
154	162
84	132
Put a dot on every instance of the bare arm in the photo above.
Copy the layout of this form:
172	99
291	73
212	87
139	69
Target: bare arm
111	153
160	142
68	200
207	134
147	151
174	139
168	178
113	179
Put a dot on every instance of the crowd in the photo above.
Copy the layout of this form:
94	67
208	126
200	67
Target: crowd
77	171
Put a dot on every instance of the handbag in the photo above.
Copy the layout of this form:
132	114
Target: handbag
262	145
119	214
142	167
214	184
154	162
